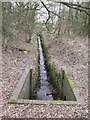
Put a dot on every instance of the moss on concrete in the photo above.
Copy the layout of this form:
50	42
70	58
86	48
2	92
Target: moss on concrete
70	79
26	96
12	102
56	102
72	84
52	71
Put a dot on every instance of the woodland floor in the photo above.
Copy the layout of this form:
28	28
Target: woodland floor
70	52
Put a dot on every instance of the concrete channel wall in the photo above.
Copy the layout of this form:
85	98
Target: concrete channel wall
22	92
70	89
67	88
62	84
25	91
67	91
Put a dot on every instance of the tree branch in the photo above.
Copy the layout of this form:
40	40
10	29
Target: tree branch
48	14
73	6
64	3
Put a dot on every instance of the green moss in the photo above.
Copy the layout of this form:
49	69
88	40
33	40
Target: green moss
12	102
52	71
72	83
26	96
65	71
53	75
35	80
56	102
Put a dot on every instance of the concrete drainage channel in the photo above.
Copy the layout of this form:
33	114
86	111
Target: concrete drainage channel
50	87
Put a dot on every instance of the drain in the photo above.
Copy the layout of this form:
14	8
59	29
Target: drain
45	90
63	90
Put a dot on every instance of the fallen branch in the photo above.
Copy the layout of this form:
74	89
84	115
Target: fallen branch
19	49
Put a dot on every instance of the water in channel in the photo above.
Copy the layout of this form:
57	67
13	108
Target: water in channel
44	86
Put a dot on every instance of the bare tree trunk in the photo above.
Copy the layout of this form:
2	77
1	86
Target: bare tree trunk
88	26
59	20
89	21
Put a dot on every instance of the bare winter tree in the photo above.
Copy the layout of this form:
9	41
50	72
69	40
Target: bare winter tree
76	10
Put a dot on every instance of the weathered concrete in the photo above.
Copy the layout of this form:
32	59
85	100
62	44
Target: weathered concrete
23	87
25	91
68	93
22	90
55	102
70	89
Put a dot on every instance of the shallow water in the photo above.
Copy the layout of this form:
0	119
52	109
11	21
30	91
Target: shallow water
44	86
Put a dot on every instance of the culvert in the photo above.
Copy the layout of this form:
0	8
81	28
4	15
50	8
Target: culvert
47	87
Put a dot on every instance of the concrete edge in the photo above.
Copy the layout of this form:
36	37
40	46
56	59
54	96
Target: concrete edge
79	98
14	98
44	102
19	86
